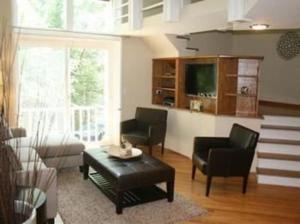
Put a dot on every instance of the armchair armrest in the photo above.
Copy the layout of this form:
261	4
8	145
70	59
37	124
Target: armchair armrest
157	132
129	125
18	132
205	143
229	161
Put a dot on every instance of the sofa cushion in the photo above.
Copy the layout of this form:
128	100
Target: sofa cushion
27	154
51	146
5	133
18	132
57	146
8	158
31	166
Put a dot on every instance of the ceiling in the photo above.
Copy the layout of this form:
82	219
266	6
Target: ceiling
213	15
279	14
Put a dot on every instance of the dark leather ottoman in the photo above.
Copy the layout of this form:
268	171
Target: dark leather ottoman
121	177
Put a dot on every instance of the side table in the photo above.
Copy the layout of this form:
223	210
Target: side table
38	199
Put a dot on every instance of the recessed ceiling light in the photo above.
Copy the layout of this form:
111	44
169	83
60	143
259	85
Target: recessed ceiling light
259	26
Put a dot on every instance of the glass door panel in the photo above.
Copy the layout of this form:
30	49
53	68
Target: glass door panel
42	88
87	70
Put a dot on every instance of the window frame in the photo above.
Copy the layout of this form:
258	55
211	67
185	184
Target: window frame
68	20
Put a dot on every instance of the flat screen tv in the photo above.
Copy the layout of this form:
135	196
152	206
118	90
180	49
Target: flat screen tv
200	79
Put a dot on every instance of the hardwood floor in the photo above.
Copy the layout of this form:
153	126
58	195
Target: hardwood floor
227	204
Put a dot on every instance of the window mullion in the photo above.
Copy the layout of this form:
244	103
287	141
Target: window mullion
68	109
69	14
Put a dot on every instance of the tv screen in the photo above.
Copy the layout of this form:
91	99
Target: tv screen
200	79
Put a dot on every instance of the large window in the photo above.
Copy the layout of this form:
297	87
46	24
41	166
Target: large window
75	15
41	13
63	90
92	16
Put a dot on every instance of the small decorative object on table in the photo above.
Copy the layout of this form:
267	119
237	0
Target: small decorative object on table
125	151
244	91
196	105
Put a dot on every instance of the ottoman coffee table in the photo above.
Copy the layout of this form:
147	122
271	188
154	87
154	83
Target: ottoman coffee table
128	182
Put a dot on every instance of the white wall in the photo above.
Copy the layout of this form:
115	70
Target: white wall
136	76
212	43
160	46
183	126
280	78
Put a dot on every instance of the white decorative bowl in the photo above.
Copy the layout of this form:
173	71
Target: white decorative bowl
117	151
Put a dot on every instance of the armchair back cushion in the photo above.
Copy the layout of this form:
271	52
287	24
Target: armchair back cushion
149	116
243	138
148	128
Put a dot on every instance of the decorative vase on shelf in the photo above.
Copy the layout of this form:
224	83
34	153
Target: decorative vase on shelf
25	212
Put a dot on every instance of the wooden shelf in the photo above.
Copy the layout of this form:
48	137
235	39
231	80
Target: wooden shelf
167	89
165	77
233	74
240	76
252	96
231	94
247	76
239	95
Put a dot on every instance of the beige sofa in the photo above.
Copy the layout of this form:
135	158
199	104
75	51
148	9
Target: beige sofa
47	154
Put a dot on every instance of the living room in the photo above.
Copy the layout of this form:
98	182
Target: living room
114	64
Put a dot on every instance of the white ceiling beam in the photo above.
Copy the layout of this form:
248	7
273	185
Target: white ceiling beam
237	11
135	14
172	10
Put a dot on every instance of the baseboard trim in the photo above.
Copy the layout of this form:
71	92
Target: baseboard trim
279	104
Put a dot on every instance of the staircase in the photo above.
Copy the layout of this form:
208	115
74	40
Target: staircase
278	151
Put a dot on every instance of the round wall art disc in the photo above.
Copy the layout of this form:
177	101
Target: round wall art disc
289	45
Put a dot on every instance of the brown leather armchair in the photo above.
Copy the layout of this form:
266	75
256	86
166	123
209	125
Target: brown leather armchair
147	128
225	157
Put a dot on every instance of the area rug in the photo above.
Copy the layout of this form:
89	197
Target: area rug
81	202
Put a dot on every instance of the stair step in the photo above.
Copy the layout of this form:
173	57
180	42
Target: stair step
183	37
280	181
280	127
278	133
192	48
276	156
282	120
279	141
279	173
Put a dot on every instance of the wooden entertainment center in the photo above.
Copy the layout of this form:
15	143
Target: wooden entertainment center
236	84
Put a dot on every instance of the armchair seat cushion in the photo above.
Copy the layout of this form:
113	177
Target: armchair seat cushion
137	137
201	163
